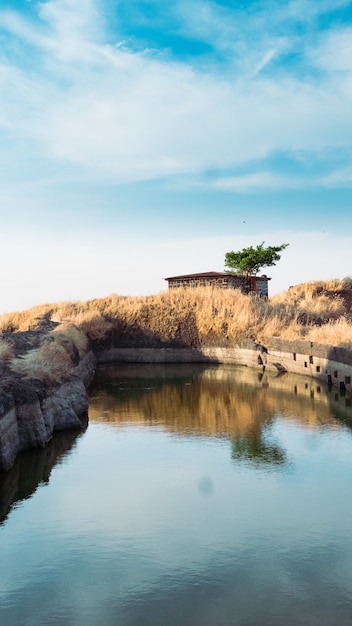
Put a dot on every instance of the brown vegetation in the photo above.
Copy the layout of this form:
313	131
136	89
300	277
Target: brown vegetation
66	334
319	311
52	361
6	349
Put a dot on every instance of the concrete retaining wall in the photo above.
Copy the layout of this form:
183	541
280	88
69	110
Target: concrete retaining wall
332	365
236	356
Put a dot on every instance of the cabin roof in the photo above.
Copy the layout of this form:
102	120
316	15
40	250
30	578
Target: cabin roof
200	275
212	275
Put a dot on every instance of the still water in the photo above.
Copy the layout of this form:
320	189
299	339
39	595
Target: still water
197	496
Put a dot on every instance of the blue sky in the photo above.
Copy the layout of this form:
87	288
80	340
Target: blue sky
143	139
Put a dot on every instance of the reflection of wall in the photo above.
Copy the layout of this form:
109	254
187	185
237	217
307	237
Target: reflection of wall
332	365
222	400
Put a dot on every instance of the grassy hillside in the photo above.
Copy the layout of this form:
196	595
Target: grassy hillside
319	311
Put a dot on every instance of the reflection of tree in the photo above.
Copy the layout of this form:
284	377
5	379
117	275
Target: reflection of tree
231	402
204	400
252	447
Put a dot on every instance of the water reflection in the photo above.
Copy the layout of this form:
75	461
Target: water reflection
253	448
32	468
199	496
230	402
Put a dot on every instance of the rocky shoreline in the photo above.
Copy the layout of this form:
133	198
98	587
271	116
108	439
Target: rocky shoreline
30	412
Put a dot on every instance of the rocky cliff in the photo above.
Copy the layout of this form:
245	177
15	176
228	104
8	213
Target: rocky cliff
31	411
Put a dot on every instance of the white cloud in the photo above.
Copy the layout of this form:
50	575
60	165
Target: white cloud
137	118
128	116
334	52
339	178
77	19
23	29
257	181
269	181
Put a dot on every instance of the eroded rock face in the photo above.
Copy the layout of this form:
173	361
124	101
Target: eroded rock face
30	412
9	438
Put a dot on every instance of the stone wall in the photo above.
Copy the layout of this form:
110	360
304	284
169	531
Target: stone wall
332	365
247	352
223	280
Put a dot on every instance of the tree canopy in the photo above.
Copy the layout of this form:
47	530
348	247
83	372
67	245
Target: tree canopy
250	260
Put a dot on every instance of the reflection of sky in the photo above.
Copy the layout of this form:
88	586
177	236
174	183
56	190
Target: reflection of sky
127	515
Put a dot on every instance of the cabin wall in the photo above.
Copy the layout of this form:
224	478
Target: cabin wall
262	287
198	282
224	282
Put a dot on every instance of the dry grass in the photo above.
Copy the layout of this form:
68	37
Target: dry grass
315	299
207	315
92	323
23	320
6	349
334	333
67	332
311	311
319	311
50	363
188	317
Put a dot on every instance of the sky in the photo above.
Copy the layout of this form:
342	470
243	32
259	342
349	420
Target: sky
141	139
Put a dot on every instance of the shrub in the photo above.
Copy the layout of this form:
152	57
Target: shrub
347	283
50	363
67	332
93	324
334	333
6	349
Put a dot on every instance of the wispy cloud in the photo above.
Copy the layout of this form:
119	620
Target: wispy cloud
124	115
339	178
257	181
334	51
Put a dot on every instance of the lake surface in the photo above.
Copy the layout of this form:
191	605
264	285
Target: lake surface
197	496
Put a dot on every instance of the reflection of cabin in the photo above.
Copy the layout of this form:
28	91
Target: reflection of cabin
225	280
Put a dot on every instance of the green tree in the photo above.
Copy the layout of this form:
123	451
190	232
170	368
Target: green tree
249	260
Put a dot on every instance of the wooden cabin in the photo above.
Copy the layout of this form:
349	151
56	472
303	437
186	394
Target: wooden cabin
224	280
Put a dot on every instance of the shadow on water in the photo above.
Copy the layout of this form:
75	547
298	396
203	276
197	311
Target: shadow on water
33	468
237	403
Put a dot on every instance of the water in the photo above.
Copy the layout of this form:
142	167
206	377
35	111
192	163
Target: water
197	496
